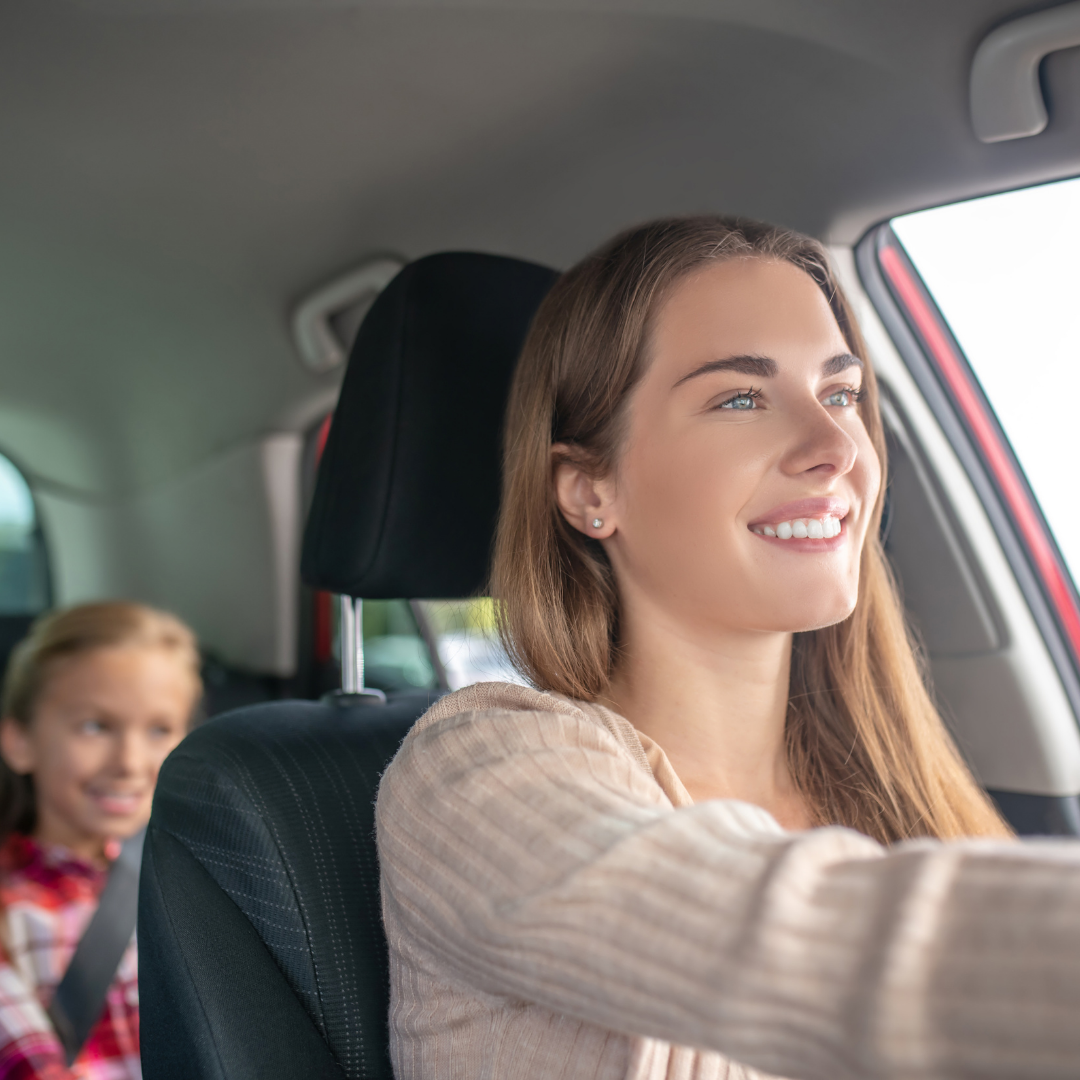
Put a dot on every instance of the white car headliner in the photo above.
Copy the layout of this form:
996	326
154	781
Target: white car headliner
177	174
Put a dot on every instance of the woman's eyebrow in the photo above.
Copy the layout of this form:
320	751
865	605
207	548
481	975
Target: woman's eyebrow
761	366
835	364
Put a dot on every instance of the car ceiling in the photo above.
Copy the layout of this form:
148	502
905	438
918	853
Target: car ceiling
176	176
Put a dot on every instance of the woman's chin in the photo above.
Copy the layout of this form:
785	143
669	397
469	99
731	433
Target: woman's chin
803	616
819	620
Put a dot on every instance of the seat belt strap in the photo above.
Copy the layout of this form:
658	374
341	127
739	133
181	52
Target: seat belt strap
79	999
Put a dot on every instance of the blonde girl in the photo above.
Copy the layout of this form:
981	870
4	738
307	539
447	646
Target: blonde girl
94	700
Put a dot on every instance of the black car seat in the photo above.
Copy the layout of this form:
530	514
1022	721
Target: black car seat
261	947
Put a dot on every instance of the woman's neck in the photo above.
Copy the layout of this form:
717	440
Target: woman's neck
717	704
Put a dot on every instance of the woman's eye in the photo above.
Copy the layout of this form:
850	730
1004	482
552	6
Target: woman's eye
741	402
91	727
843	398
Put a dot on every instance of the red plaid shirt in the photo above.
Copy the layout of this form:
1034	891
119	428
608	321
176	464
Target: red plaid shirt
48	896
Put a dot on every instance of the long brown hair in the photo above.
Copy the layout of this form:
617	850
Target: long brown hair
60	635
865	743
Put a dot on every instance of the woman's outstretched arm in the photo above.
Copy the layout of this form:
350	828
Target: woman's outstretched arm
529	855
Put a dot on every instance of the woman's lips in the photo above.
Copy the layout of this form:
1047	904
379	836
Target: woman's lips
824	528
808	524
803	508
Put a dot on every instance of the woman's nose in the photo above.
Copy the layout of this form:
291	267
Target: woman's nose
820	444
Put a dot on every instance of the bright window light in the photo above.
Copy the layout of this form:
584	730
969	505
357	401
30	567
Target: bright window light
16	504
1005	272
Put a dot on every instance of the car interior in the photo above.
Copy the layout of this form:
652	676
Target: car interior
266	270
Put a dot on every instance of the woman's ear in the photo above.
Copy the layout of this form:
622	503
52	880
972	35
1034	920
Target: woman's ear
586	502
16	747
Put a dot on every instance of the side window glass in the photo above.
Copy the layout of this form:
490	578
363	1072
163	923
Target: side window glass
468	643
396	656
24	579
429	644
1004	274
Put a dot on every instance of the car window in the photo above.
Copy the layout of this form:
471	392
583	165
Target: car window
468	643
396	656
24	580
429	644
1004	273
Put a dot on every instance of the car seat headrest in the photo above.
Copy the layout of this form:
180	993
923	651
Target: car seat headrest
408	487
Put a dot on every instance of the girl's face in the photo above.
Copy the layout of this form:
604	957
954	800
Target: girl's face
104	723
745	487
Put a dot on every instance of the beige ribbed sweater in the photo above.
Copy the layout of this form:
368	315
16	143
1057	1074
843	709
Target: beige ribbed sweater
557	907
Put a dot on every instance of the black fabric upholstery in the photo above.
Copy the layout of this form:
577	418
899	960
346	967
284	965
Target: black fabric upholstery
232	1016
260	928
408	486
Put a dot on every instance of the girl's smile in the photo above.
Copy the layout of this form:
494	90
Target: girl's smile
105	721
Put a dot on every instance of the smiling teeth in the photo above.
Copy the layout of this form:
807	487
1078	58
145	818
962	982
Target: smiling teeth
802	528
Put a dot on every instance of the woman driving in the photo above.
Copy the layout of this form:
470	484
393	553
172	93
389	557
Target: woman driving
706	842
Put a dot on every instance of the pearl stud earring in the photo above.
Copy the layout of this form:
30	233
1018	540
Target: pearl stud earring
597	523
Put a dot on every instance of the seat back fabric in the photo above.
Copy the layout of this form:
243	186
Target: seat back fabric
260	923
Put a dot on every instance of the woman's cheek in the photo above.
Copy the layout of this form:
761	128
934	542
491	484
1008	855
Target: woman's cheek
869	465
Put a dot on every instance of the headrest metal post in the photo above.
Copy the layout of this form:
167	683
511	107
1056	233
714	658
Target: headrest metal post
352	644
358	639
351	641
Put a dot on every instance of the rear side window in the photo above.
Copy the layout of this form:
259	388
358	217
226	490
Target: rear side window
24	578
396	657
432	644
417	644
1005	275
467	642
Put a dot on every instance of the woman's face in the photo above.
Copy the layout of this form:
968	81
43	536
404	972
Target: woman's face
745	486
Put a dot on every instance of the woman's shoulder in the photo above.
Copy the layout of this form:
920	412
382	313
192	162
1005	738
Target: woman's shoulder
498	696
493	720
483	699
495	753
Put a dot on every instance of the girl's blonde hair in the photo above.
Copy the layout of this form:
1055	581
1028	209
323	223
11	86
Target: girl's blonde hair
59	635
865	742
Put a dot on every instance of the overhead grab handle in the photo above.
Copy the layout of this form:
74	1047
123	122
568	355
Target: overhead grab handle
1006	99
325	324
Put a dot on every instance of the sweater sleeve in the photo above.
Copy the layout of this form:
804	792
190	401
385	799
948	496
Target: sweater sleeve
530	857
